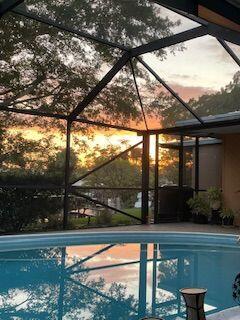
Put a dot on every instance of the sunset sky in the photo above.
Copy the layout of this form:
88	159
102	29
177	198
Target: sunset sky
204	66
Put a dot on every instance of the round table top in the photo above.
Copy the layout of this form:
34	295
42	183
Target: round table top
151	318
193	290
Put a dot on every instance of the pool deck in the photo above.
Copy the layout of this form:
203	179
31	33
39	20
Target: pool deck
178	227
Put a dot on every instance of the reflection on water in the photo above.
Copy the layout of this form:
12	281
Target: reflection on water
115	281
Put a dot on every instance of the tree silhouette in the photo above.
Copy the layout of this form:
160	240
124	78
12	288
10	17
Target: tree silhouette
35	290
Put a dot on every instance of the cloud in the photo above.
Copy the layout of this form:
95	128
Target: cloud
188	92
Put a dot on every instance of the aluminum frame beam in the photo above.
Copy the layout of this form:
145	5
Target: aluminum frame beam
196	168
180	164
104	267
61	27
7	5
185	129
65	117
108	188
105	125
145	178
154	278
229	51
166	86
142	289
32	186
67	176
169	41
138	93
34	113
156	179
100	86
93	255
80	195
107	162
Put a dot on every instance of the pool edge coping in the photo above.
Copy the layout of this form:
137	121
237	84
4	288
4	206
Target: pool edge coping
74	238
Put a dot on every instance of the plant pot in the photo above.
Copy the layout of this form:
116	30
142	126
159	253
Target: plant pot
215	217
200	218
227	221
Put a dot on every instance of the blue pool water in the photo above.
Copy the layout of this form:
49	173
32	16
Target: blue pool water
113	276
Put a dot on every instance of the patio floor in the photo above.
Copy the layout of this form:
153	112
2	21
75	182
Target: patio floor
178	227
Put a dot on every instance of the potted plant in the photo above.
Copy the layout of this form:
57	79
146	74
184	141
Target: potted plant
215	198
200	209
227	216
215	201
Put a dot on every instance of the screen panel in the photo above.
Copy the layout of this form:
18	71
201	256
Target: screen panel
128	23
117	103
100	212
235	48
32	173
48	70
111	161
30	209
203	74
161	108
32	150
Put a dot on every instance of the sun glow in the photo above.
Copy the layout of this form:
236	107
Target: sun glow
102	138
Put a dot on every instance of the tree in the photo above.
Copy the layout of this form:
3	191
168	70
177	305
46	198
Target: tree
41	272
50	70
21	206
168	169
122	172
223	101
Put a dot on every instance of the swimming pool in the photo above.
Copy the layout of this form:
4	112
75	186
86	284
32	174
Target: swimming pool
114	275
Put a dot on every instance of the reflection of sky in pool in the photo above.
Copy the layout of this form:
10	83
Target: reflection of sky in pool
102	281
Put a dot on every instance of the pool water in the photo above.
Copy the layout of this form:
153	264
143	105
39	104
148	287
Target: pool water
114	280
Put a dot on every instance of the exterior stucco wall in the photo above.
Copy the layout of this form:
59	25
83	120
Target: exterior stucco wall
231	171
210	166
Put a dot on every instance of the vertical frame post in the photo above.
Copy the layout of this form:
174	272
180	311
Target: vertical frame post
62	285
156	180
180	180
142	300
180	274
67	176
145	178
197	165
180	171
154	278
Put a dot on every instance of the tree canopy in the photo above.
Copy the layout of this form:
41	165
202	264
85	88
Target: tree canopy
50	70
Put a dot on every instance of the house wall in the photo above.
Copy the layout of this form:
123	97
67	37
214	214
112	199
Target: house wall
210	166
231	171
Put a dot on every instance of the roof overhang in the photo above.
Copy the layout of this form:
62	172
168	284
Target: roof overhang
189	144
221	12
221	17
216	128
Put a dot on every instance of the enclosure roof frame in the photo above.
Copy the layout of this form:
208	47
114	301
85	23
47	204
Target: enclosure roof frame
222	34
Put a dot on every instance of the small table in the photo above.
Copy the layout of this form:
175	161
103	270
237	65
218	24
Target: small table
194	300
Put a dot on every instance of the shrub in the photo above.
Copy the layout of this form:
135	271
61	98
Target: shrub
104	218
21	207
